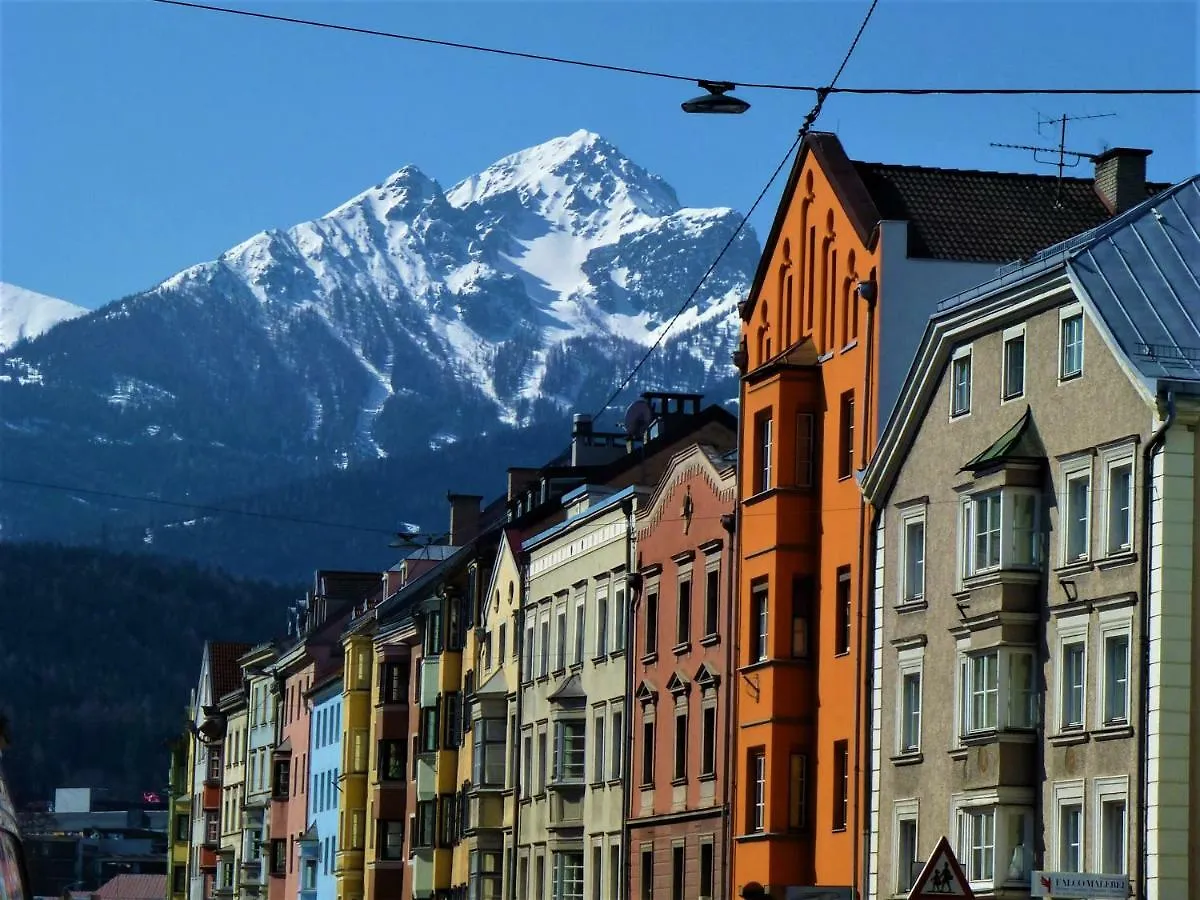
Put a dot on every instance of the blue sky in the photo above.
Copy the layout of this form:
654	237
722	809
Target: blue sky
137	139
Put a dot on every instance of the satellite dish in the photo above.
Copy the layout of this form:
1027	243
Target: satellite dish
638	418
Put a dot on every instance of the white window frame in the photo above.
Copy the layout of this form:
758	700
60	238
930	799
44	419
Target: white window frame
962	353
912	517
1071	631
905	811
579	634
1004	700
1115	624
910	662
602	624
1003	804
1067	794
1007	558
1107	790
1072	470
1017	332
597	739
1110	460
1065	314
966	836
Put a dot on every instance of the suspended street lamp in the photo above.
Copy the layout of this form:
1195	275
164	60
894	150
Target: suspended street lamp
716	101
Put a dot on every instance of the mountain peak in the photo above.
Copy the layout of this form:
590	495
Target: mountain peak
26	314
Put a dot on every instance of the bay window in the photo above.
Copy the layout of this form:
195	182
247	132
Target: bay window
1001	530
995	841
568	875
569	752
996	690
489	746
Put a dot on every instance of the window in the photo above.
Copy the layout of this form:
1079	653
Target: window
1112	825
1119	514
618	743
544	647
977	843
1072	661
805	447
960	383
527	654
568	876
1115	688
454	720
911	669
279	856
844	611
540	876
846	436
393	679
1070	346
681	744
797	790
602	622
212	828
1068	826
1077	512
616	881
683	622
914	557
178	879
503	642
569	752
802	604
391	839
597	863
841	784
757	818
280	779
906	850
758	622
708	741
598	747
182	826
1000	530
391	760
580	628
678	873
651	622
426	821
706	869
433	633
488	753
995	681
447	820
762	449
619	615
428	728
647	873
484	875
308	876
1014	363
648	753
560	656
527	764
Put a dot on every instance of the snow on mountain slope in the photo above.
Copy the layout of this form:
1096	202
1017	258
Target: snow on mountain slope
26	314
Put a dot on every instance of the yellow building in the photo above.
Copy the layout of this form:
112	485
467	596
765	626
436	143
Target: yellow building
180	802
352	798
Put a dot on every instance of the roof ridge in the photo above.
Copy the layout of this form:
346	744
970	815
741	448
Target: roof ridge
989	172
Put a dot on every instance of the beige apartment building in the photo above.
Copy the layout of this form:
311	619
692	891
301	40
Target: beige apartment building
233	791
1033	640
572	719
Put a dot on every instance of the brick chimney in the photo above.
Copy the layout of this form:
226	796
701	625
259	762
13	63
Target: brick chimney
1121	177
464	517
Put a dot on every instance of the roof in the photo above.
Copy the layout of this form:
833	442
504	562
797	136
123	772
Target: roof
429	551
1020	443
607	503
134	887
224	667
965	215
1138	278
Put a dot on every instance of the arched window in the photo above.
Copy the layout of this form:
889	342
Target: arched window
785	296
849	302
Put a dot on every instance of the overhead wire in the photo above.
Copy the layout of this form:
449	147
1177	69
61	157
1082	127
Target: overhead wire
675	76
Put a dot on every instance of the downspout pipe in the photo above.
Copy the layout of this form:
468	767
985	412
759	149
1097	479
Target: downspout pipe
868	290
730	522
1156	442
630	608
519	639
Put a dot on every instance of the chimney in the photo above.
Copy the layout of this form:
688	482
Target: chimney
519	479
581	424
1121	177
464	517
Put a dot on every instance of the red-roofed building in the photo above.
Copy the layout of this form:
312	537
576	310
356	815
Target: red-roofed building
133	887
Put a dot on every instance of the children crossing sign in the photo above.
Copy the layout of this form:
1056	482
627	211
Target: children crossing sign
941	876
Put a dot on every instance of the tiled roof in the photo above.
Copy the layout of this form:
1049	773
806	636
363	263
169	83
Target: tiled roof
976	216
134	887
225	672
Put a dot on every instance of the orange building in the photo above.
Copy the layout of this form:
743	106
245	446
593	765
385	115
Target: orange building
857	258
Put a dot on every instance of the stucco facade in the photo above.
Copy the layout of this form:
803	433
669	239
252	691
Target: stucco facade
573	741
233	790
290	771
325	786
681	642
260	739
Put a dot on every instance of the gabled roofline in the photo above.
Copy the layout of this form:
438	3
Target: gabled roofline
851	192
670	478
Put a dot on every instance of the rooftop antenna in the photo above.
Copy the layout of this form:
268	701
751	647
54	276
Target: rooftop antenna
1060	151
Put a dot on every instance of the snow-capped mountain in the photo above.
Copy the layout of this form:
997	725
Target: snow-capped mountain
405	320
26	314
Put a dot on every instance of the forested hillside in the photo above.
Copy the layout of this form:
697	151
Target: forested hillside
98	652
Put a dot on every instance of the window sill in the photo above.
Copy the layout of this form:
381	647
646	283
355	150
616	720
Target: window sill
596	660
1113	731
1117	560
615	782
646	787
850	346
649	658
682	647
1011	397
1076	567
908	758
753	837
1071	376
955	416
755	666
708	776
845	477
616	654
918	604
557	673
710	640
576	666
1069	738
679	782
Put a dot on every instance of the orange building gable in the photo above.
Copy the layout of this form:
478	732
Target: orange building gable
858	256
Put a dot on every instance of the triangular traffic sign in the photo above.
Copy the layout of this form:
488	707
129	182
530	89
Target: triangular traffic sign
941	876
